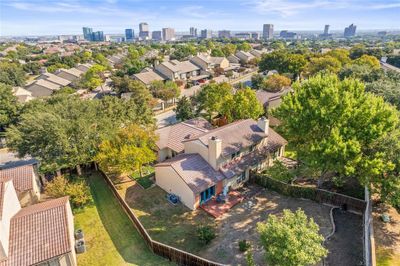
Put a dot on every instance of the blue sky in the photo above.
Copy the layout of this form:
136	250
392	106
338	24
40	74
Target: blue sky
39	17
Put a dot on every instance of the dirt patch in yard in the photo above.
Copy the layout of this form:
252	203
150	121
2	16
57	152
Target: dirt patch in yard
346	245
387	236
241	222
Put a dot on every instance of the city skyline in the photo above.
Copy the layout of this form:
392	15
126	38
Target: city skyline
22	17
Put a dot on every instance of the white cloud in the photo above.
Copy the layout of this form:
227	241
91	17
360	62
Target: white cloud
287	8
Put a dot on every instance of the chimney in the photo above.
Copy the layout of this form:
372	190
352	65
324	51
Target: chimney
214	151
263	124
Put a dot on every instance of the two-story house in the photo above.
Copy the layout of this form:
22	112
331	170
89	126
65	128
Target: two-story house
175	70
40	234
209	63
219	160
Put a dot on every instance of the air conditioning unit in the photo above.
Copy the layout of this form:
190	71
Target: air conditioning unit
79	234
80	246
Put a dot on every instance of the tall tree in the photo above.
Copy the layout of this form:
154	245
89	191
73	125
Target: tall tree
245	105
130	149
94	77
292	239
164	91
184	109
12	74
332	123
9	106
215	99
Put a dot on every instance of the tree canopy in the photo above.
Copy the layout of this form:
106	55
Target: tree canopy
9	106
332	125
292	239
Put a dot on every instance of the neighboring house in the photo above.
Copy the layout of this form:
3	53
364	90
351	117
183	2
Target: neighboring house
233	59
148	77
54	79
170	138
386	66
42	88
271	99
244	57
41	234
175	70
22	95
83	67
115	59
219	160
71	74
26	183
208	63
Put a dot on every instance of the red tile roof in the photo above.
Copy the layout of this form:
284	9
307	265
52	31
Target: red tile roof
22	177
39	232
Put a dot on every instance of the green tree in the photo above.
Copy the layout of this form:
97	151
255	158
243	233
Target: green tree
342	55
100	59
293	239
229	49
283	62
276	83
164	91
9	106
184	109
215	99
217	52
78	191
245	105
244	46
370	61
332	123
257	81
32	68
325	64
65	90
12	74
134	66
130	149
94	77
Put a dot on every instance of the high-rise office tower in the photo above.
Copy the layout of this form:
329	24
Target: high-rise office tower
350	31
193	31
129	35
268	31
87	33
144	33
326	30
205	34
98	36
156	35
168	34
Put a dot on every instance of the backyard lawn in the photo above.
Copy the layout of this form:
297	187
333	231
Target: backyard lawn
166	223
109	235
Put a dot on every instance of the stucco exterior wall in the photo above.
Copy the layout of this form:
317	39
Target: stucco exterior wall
163	154
196	147
10	208
171	182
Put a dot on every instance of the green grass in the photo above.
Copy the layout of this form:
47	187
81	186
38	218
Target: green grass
290	152
144	181
110	236
166	223
385	257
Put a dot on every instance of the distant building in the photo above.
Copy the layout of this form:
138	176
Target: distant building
243	35
129	35
224	34
206	34
326	32
144	33
98	36
268	31
255	35
87	33
193	31
382	33
156	35
168	34
288	34
350	31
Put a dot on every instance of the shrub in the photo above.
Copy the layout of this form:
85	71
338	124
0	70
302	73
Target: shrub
250	259
205	233
279	171
244	245
78	191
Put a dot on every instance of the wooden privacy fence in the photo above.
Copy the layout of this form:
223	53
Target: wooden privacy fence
315	194
178	256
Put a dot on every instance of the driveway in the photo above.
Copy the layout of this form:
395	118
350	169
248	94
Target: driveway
165	119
